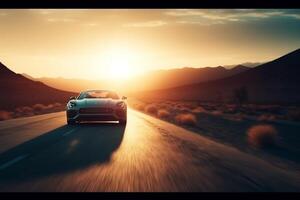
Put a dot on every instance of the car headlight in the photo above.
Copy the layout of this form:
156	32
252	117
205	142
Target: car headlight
121	105
71	104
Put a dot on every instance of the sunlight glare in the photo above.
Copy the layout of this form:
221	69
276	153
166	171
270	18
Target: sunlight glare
120	63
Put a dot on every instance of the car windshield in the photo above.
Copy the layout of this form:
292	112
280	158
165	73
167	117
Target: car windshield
98	94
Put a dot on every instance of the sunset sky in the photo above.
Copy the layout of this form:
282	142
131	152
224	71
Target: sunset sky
97	44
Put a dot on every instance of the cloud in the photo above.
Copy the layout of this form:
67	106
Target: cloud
59	15
92	24
296	16
147	24
60	20
43	11
57	11
3	14
221	16
203	23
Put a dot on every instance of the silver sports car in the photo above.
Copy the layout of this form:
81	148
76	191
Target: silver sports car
97	105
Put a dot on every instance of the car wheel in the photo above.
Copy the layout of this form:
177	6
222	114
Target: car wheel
71	122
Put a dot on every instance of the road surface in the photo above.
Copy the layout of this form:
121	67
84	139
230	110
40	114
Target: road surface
42	153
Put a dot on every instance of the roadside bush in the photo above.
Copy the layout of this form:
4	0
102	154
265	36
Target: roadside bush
49	107
186	119
24	109
190	106
199	109
57	104
4	115
236	117
266	117
151	109
164	114
230	109
216	112
164	106
39	107
262	136
184	110
274	109
140	107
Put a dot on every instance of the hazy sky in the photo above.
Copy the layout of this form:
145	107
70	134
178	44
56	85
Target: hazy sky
96	44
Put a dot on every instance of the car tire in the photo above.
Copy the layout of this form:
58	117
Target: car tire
71	122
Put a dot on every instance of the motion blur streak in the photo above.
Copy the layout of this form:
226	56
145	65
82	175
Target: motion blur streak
146	155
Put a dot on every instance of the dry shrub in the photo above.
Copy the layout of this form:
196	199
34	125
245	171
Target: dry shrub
24	109
190	106
230	110
216	112
4	115
184	110
39	107
18	110
266	117
172	104
275	109
262	135
199	109
49	107
186	119
27	109
57	104
140	107
168	103
236	117
151	109
240	117
178	106
163	114
164	106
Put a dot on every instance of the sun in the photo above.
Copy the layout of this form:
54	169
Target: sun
120	64
119	68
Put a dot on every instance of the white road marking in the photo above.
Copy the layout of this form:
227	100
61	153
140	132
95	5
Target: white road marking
69	132
13	161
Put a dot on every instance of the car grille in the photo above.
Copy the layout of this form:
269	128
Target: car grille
95	110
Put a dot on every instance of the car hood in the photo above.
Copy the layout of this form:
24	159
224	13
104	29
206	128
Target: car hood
97	103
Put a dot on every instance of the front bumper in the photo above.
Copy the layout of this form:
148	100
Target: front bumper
114	115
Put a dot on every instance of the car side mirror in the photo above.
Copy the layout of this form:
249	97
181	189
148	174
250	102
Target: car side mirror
72	98
123	97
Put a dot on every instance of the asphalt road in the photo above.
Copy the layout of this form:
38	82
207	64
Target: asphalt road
42	153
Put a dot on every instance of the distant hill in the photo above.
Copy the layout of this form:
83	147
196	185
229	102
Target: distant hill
276	81
75	85
17	90
247	64
159	79
28	76
163	79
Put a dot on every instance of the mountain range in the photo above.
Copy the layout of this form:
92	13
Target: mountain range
69	84
160	79
17	90
272	82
